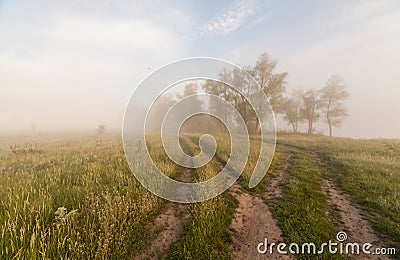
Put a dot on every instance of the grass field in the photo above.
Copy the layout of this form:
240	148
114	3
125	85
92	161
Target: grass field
75	198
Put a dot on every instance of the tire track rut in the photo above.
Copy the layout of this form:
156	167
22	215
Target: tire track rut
274	189
353	223
252	223
172	222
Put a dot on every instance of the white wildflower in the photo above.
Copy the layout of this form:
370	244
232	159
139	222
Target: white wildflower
62	216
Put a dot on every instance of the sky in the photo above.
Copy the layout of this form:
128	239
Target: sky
74	64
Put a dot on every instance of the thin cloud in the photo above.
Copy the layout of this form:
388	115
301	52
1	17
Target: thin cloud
228	21
129	35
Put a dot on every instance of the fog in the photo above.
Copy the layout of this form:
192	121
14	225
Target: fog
72	66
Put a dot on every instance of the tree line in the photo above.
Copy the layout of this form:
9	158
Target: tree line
312	105
300	106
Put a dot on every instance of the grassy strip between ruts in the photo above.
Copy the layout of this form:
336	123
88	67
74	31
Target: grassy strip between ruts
206	235
302	212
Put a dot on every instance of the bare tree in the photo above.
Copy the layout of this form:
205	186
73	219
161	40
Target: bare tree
332	96
291	107
310	108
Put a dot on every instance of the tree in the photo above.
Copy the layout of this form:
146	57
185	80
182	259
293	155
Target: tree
332	97
225	92
291	107
272	83
310	108
191	126
101	128
158	111
242	104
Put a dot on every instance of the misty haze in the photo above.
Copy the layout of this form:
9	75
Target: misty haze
71	67
116	143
